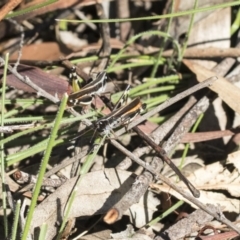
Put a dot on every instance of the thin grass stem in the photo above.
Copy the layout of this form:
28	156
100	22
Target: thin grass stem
44	165
4	195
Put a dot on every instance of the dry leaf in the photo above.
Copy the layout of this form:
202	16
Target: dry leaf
203	34
96	194
52	84
212	177
217	34
41	51
229	205
216	177
180	24
226	90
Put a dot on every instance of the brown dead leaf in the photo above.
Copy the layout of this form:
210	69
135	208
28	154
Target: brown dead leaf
207	136
225	90
41	51
96	194
52	84
51	51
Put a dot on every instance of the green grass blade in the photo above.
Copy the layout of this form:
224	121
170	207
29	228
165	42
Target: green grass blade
134	38
67	210
153	82
155	90
166	213
26	100
194	129
16	218
188	31
46	125
4	195
37	148
17	110
43	232
143	61
154	101
155	66
236	23
131	65
43	166
89	160
170	15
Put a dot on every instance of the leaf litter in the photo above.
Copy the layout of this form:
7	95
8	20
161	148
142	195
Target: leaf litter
217	181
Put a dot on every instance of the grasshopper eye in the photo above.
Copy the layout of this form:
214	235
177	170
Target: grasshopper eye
143	108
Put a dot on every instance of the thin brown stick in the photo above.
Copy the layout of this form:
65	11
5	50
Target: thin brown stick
209	135
186	123
132	196
163	155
